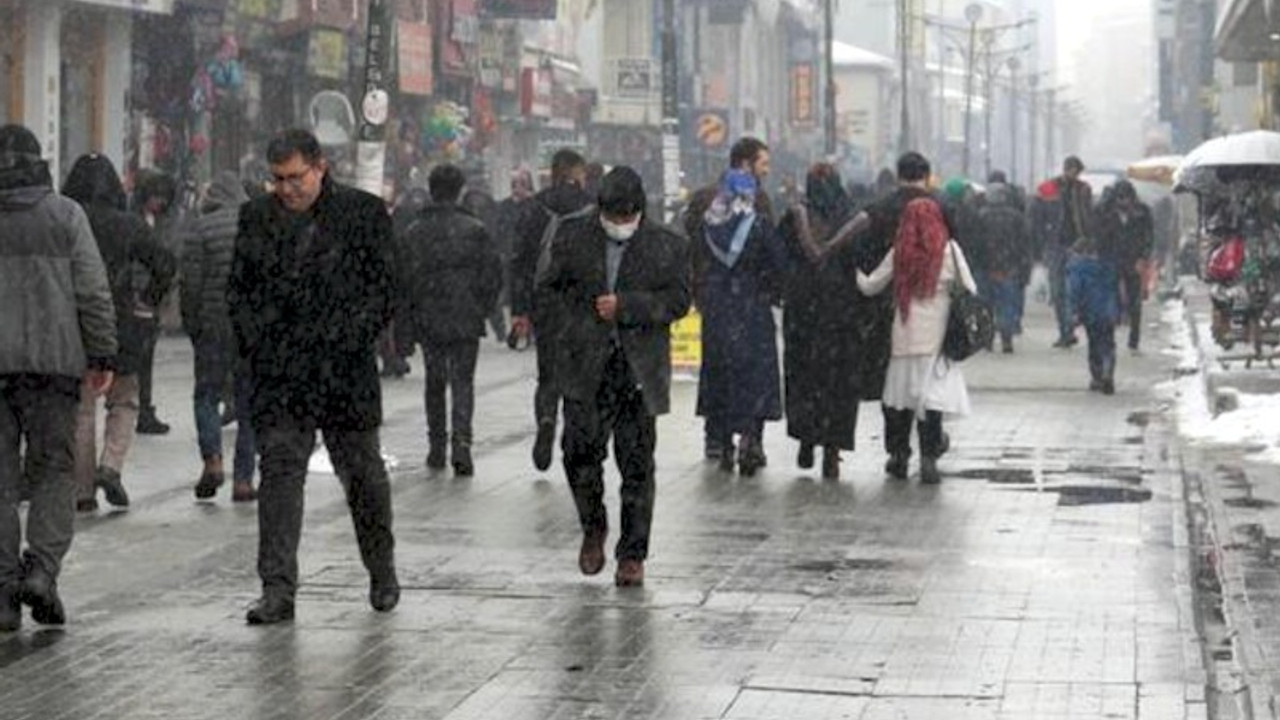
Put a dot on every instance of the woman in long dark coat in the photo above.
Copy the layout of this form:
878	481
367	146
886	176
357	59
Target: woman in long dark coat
738	263
824	342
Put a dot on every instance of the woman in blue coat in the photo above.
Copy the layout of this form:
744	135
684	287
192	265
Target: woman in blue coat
739	266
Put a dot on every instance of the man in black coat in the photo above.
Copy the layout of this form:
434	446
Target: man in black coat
1127	234
309	292
622	281
452	275
534	312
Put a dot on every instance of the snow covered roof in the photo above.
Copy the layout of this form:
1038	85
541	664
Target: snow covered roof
846	55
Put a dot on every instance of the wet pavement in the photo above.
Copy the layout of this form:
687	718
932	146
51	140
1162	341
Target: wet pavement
1047	577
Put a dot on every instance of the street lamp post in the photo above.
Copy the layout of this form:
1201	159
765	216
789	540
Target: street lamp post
973	14
670	113
829	117
1014	66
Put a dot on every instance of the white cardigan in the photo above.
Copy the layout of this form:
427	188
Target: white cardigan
923	333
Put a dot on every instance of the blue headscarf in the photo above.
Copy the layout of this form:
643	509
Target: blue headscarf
729	220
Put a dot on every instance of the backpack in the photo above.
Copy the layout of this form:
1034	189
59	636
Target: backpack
554	221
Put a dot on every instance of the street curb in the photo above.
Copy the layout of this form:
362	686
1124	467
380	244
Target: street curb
1208	519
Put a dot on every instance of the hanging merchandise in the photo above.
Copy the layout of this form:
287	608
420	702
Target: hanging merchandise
446	136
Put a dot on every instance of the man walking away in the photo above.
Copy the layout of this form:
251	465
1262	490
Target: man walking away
57	327
536	313
1126	232
156	199
309	292
206	266
1075	200
1007	239
453	276
623	281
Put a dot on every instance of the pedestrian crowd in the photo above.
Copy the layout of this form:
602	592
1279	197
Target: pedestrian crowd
301	295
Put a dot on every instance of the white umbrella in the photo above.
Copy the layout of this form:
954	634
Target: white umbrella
1251	155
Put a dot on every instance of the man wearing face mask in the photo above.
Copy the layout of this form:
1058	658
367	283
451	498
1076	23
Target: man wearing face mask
622	281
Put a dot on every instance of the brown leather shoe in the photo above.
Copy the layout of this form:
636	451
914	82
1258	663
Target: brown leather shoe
630	573
591	555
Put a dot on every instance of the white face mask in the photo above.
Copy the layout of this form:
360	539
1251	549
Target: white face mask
621	233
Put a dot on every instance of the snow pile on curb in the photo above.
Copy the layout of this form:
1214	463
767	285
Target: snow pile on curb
1254	424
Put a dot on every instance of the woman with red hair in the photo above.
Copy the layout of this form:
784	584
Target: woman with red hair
921	385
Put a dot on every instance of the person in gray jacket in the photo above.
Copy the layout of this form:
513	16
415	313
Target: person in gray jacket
57	328
206	265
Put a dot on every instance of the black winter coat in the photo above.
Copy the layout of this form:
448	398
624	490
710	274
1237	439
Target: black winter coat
1006	238
307	322
561	200
653	292
126	243
451	273
1123	241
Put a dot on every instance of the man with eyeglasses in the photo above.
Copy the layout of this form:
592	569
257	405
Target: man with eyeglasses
309	292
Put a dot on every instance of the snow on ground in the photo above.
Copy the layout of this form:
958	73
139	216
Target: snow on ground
1254	424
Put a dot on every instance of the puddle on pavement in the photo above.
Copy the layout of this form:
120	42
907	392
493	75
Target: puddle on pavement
996	476
1131	475
1140	418
1250	503
846	564
1077	495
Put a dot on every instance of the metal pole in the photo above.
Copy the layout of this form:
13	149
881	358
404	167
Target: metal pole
371	145
904	27
670	113
968	96
1013	123
1049	139
1034	121
990	93
830	56
942	93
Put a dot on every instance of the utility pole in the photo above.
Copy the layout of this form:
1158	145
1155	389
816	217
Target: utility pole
1050	140
972	13
1033	120
375	108
829	117
1014	65
904	38
670	113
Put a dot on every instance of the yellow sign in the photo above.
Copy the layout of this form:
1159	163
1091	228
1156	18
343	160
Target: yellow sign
686	344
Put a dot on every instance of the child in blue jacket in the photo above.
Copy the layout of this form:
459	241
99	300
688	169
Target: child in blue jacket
1093	292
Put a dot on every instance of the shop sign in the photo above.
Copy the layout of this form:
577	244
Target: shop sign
519	9
414	40
462	34
711	128
327	54
633	78
164	7
258	9
536	87
491	56
804	109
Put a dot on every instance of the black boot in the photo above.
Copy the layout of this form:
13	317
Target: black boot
896	467
384	592
436	459
543	445
929	474
40	591
831	463
149	424
270	609
462	463
112	486
805	458
752	457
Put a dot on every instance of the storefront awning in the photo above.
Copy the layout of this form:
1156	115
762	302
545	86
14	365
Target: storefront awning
164	7
1248	31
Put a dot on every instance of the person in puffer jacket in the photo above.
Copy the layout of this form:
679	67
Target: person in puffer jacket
206	264
57	330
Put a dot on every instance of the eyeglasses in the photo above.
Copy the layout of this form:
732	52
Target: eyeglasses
294	181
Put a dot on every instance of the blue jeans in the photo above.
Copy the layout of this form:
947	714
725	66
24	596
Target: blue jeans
1006	300
213	362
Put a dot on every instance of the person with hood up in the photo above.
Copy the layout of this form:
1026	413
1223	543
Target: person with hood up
155	201
1126	234
622	280
57	333
452	276
740	264
1007	238
123	240
1092	288
824	324
206	266
535	313
921	386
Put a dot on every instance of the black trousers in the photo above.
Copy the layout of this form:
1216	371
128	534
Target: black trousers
357	459
546	399
618	411
1131	281
897	432
146	366
451	367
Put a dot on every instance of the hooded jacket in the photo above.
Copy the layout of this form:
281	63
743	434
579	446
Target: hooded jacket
123	239
206	260
452	272
56	314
